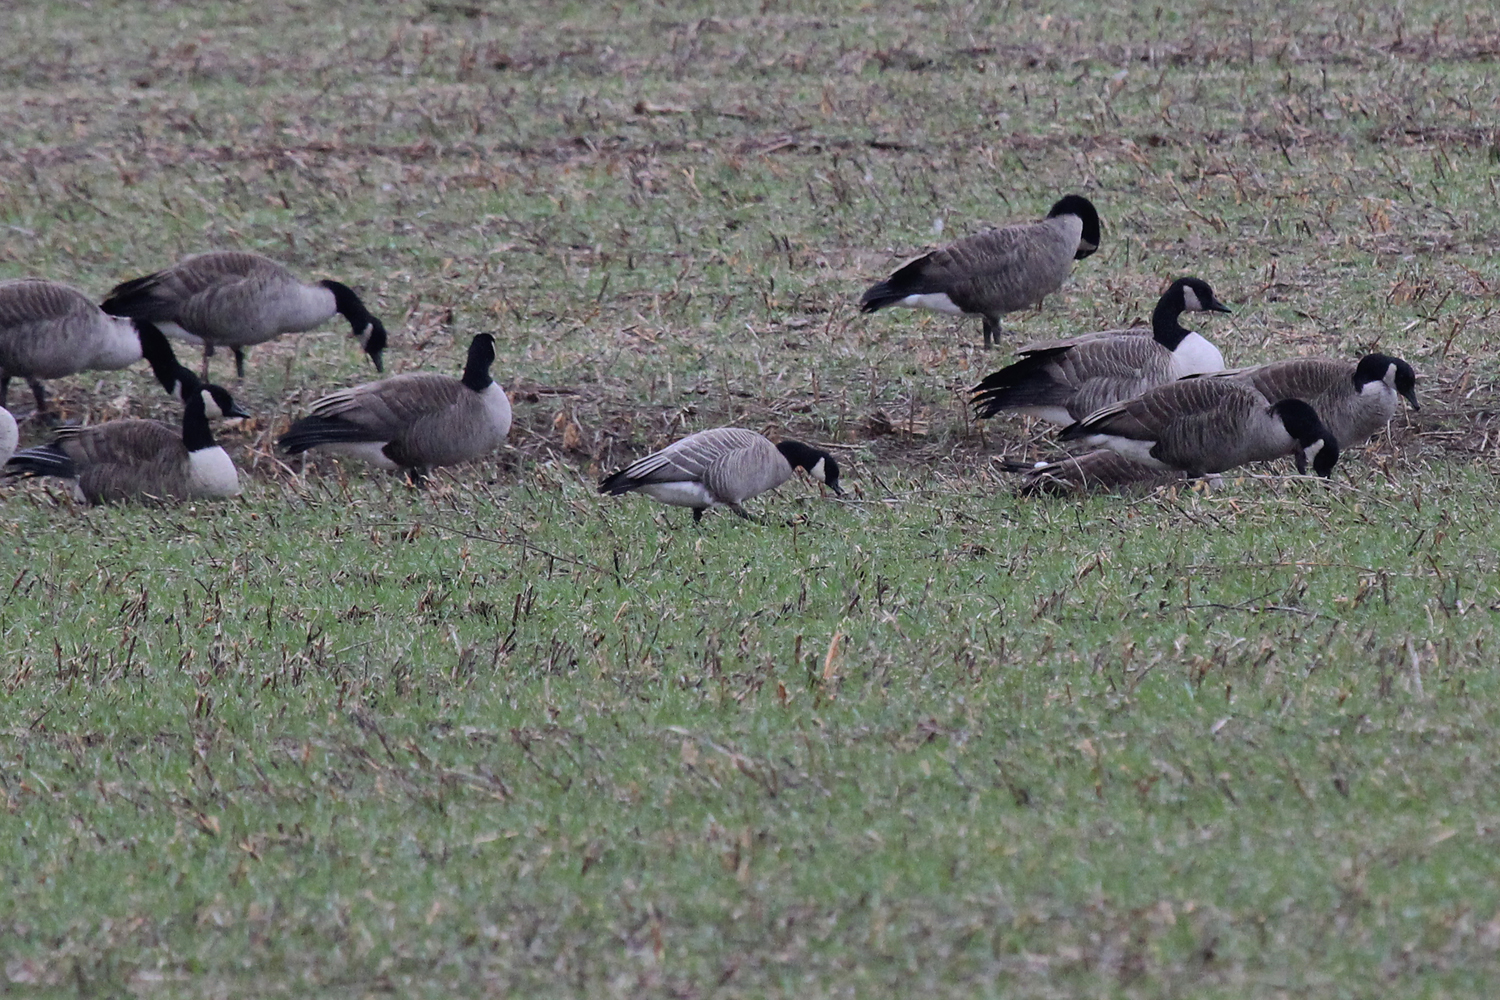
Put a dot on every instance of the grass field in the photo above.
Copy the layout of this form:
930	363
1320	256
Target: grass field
507	737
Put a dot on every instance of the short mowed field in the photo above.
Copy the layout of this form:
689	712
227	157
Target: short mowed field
506	737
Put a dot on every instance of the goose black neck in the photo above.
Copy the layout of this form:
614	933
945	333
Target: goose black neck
477	368
348	305
1164	320
196	434
157	352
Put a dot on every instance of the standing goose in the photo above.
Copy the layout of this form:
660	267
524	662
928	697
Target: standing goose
414	421
49	330
237	300
1065	380
1205	426
1355	399
725	465
997	271
137	459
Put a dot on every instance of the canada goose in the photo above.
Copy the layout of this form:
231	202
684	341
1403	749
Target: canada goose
997	271
414	421
50	330
137	459
1209	425
178	380
1101	469
725	465
1354	399
1066	380
238	300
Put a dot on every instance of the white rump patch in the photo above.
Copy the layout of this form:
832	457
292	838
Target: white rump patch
937	301
1137	451
1196	356
211	472
680	494
1051	414
371	452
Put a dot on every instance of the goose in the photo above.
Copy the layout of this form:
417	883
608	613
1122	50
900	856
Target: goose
237	300
997	271
1101	469
49	330
1203	426
415	421
124	460
1065	380
1355	399
725	465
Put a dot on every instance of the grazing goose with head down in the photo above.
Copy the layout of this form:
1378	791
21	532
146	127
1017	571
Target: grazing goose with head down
997	271
1065	380
725	465
49	330
1354	399
237	300
1203	426
416	421
137	459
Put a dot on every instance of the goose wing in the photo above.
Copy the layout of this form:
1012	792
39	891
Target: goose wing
197	289
747	471
684	461
390	406
121	442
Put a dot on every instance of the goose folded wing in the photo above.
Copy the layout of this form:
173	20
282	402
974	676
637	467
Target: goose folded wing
689	459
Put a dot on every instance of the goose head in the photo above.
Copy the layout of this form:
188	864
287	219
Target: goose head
368	330
817	463
1315	443
1077	204
1391	373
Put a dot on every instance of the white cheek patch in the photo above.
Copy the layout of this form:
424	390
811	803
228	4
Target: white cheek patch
1390	376
818	472
210	407
1190	300
938	301
1311	451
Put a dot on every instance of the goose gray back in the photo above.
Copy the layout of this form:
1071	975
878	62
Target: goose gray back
124	460
997	271
1065	380
49	330
237	300
412	422
723	466
1354	399
1209	425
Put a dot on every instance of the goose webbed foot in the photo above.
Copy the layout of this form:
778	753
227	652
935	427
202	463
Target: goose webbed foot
991	332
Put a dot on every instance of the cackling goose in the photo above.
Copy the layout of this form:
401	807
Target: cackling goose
137	459
414	421
237	300
1209	425
1065	380
725	465
997	271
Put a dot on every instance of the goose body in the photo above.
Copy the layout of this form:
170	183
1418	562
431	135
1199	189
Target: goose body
1210	425
125	460
723	466
414	421
1065	380
1354	399
10	435
997	271
237	300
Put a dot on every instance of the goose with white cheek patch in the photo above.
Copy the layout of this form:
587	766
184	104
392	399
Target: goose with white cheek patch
1354	399
1205	426
50	330
237	300
723	466
124	460
1065	380
412	422
997	271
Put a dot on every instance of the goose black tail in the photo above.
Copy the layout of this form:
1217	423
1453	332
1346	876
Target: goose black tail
131	298
618	483
909	280
47	460
1025	383
309	432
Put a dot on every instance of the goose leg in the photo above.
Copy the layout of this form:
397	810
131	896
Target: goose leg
239	362
697	514
743	513
991	331
417	477
208	352
39	393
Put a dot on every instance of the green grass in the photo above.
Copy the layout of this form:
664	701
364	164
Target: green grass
507	737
